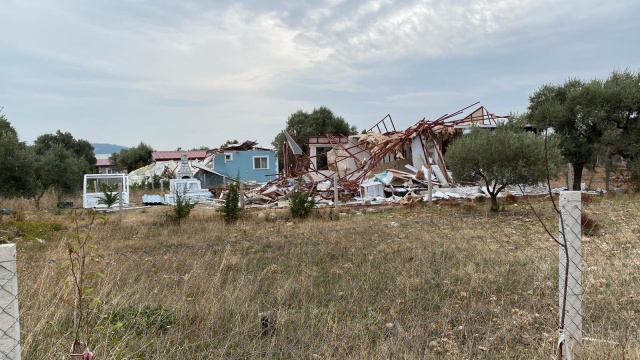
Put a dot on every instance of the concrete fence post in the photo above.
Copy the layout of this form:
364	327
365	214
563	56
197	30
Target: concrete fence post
9	315
569	177
570	234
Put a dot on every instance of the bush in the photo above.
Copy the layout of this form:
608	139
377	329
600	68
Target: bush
109	194
231	209
181	210
301	204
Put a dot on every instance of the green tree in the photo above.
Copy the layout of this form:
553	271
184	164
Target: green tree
81	148
58	169
231	209
181	210
302	203
320	121
502	157
133	158
574	111
16	163
620	105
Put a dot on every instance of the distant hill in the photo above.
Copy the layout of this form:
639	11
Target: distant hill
107	148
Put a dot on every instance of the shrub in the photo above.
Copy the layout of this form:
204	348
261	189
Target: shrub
301	204
109	194
181	210
231	209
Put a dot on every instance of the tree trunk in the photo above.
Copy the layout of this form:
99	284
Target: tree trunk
577	175
494	203
37	199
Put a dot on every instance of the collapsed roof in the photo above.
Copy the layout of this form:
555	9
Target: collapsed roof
352	159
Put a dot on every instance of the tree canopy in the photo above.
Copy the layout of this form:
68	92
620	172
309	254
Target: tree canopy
59	169
620	103
81	148
16	163
320	121
132	158
572	111
502	157
598	117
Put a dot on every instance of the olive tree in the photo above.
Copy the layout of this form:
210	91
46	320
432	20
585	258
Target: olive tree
574	111
58	169
504	156
620	103
16	163
133	158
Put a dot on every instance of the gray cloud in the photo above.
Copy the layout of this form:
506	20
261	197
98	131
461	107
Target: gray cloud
194	73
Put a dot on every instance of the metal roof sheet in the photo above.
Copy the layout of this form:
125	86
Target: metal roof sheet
176	155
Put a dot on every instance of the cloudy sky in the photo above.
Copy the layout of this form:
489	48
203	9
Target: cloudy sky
191	73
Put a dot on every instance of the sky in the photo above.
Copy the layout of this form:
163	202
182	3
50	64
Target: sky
194	73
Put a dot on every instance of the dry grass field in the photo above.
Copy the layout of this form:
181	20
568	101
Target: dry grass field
426	282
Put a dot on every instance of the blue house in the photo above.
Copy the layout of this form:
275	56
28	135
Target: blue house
247	161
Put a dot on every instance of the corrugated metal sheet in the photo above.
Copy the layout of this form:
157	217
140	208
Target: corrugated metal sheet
152	199
176	155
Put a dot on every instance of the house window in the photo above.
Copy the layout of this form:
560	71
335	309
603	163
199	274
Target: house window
228	157
260	162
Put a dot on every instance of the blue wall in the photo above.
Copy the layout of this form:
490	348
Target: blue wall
243	161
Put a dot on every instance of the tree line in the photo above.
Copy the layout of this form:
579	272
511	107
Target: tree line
55	162
592	119
586	120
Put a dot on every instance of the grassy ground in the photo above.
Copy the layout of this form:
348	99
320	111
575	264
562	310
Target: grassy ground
442	281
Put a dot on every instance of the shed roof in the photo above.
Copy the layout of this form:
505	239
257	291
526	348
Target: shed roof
103	162
176	155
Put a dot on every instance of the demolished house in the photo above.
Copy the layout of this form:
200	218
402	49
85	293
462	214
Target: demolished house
382	163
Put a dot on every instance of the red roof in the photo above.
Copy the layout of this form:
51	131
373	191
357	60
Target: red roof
176	155
103	162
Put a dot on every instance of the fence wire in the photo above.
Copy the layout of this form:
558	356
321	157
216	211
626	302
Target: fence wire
9	336
611	276
462	286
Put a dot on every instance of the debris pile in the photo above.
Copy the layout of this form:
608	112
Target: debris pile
380	166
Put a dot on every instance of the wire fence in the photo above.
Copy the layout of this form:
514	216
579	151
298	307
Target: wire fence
463	286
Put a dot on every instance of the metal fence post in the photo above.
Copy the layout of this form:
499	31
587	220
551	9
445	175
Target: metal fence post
120	208
241	195
570	234
9	315
429	184
335	190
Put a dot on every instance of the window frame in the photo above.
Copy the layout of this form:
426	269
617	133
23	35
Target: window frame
254	158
